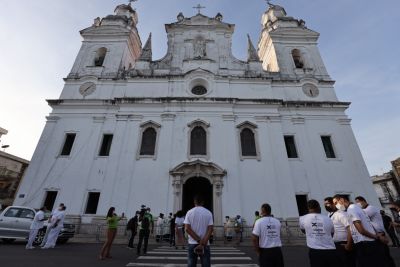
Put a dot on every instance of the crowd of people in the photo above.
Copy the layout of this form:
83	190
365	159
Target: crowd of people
351	235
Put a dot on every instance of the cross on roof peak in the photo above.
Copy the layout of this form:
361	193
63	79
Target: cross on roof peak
269	3
131	1
199	7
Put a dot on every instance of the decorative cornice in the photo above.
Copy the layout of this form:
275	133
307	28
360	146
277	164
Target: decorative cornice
344	121
52	118
99	119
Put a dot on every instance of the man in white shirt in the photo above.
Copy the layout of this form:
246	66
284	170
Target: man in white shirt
375	216
369	252
342	236
267	239
48	228
319	230
57	223
36	225
199	226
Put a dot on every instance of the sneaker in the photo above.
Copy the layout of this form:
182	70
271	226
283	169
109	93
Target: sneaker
29	247
128	247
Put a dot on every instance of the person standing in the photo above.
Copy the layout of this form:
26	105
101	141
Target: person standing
199	227
342	236
57	223
368	251
377	223
112	225
36	225
256	217
58	209
179	230
151	219
172	230
132	227
319	231
267	239
238	229
388	224
160	228
144	232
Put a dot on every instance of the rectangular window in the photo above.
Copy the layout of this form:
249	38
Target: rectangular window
93	201
106	145
302	204
328	147
68	143
290	146
50	199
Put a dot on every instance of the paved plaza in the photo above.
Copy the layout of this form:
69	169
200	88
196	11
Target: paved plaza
84	255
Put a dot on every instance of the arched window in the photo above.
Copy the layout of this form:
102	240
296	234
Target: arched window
198	141
148	140
247	134
248	143
148	145
298	61
100	56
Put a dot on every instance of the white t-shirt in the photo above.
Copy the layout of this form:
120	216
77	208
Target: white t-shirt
375	216
319	229
37	220
340	220
58	215
179	221
199	219
357	214
268	229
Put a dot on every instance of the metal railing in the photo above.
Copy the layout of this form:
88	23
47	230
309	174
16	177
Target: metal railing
290	233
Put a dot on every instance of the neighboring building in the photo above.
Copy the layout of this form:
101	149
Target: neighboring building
129	130
387	185
12	169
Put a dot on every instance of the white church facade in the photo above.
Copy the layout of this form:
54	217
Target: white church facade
130	130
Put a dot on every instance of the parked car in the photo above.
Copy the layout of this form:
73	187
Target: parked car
15	222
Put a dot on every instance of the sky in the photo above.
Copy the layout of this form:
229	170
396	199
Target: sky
359	44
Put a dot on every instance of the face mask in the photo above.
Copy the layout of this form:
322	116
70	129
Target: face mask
359	204
340	207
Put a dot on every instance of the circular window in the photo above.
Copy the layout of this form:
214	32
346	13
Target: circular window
199	90
310	90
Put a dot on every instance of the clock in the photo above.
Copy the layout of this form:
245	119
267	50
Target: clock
310	90
87	88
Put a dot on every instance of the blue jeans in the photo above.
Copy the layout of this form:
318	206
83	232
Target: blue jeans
204	259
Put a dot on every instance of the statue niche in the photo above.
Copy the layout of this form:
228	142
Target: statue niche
199	48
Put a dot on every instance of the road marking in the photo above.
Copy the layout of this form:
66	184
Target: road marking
185	258
132	264
185	253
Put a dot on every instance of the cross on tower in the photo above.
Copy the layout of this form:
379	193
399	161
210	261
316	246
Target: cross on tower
199	7
269	3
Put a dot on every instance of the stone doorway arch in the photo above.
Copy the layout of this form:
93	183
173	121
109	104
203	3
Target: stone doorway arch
211	171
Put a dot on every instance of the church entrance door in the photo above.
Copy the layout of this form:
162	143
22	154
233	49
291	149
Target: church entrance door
197	186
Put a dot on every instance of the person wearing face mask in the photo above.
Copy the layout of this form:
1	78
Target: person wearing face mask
377	222
319	230
369	252
342	237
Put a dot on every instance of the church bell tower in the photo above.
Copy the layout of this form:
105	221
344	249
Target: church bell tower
109	46
289	47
